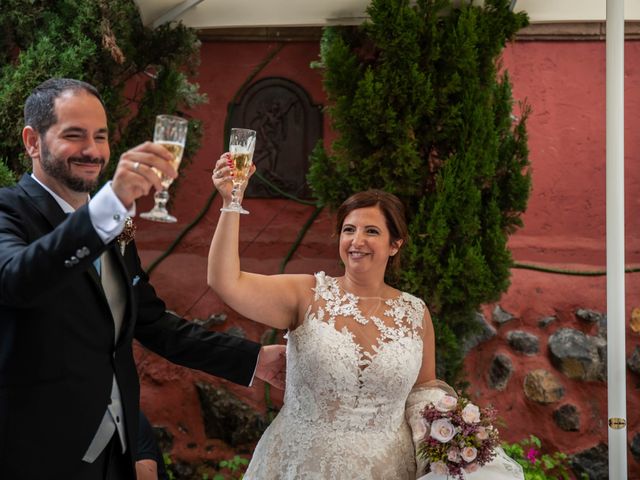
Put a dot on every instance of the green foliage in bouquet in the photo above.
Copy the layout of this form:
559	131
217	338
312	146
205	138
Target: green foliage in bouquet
422	109
139	71
535	464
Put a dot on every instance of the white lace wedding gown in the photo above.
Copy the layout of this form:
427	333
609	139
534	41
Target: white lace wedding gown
350	367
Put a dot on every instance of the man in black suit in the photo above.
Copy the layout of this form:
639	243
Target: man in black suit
69	390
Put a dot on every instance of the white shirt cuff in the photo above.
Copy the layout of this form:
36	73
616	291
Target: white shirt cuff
108	214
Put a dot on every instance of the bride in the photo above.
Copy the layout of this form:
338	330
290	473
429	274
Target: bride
359	351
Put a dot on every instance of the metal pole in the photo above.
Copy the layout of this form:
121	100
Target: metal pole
616	370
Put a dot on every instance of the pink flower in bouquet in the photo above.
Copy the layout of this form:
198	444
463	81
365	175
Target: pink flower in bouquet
439	468
446	403
453	455
482	433
469	454
442	430
472	467
471	413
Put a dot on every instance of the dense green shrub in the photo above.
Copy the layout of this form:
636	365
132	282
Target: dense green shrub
7	177
104	43
421	110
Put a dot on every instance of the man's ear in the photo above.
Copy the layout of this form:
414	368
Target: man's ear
31	141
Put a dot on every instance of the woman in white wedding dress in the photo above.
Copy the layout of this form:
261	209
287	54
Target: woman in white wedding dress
356	347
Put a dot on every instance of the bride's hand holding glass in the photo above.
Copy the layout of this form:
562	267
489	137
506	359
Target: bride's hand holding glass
223	175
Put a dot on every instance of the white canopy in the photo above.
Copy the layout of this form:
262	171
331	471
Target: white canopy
206	14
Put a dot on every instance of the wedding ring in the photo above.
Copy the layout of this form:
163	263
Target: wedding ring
136	166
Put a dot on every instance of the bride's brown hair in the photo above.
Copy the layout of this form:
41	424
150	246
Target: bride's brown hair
390	206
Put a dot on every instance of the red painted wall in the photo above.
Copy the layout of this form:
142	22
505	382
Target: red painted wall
564	82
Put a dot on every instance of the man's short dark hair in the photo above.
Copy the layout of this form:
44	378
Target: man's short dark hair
39	112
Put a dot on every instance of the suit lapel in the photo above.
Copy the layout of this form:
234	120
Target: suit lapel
42	200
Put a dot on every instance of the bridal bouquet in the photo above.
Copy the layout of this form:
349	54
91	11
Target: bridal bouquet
458	436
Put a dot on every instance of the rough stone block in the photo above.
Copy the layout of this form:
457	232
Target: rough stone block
543	387
635	447
227	418
546	321
486	332
594	462
633	362
501	316
500	372
590	316
567	417
577	355
524	342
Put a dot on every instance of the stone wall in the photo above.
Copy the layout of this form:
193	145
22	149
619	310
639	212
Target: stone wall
542	363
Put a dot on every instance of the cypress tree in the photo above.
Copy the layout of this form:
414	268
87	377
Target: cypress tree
422	109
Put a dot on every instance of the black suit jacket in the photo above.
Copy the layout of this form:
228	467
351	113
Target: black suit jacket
57	355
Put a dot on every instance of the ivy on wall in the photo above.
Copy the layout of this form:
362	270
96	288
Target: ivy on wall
422	110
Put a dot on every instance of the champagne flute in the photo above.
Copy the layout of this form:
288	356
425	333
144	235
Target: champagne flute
170	132
242	143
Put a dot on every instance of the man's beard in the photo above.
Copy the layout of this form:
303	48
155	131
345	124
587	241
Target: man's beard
60	170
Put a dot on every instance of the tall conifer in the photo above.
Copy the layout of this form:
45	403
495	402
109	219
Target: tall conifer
422	110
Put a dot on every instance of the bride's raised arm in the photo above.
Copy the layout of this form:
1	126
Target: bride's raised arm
273	300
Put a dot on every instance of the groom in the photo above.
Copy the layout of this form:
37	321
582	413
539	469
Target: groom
72	300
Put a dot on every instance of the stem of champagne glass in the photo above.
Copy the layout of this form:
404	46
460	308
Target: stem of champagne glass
234	193
161	198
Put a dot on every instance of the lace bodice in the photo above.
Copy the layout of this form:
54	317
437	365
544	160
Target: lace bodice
350	367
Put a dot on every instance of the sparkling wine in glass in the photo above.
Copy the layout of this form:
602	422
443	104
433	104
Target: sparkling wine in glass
170	132
242	143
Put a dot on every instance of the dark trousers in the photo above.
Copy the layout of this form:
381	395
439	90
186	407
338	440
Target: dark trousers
111	464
